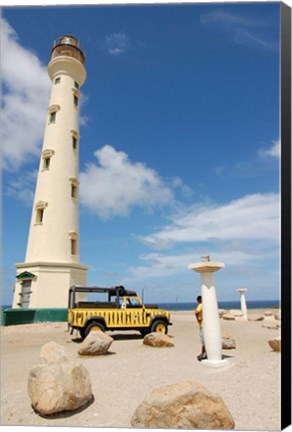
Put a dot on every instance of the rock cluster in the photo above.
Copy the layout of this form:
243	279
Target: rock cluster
186	405
58	384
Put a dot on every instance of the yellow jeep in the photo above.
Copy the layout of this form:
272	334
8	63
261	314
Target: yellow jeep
114	309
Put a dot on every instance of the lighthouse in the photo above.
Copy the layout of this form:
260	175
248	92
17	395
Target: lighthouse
52	261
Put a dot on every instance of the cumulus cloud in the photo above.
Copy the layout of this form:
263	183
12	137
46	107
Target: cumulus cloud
115	184
254	217
25	93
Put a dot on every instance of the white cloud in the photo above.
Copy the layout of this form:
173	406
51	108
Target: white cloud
115	185
22	186
25	96
254	217
274	151
117	43
244	30
162	265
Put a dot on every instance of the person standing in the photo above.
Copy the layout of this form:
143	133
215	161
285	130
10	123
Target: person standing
199	316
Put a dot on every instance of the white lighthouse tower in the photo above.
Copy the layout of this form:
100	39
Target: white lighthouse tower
52	262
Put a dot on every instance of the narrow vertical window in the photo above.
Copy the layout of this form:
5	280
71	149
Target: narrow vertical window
47	161
76	85
74	142
75	138
73	191
57	80
52	118
53	109
40	210
47	155
39	216
74	187
76	100
73	246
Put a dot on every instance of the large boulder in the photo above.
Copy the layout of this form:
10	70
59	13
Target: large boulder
228	342
58	384
275	344
157	339
96	343
186	405
52	352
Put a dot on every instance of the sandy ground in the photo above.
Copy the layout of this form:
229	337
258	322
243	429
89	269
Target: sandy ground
249	384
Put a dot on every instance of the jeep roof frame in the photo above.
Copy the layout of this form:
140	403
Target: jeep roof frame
118	291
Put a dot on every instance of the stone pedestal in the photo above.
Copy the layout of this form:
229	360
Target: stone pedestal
211	326
242	292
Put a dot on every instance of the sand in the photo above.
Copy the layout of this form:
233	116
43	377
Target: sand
249	384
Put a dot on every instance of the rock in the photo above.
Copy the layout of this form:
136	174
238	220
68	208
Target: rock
228	342
186	405
271	326
157	339
268	313
96	343
277	315
57	387
52	352
222	312
275	344
236	312
255	317
228	317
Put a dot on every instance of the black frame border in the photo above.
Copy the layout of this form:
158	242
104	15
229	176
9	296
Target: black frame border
285	215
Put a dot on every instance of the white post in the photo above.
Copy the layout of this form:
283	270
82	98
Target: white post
211	321
242	292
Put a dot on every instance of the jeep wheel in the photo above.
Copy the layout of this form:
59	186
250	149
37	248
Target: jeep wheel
159	327
93	327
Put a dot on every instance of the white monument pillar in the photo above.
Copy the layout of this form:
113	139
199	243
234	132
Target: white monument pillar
52	262
211	321
242	292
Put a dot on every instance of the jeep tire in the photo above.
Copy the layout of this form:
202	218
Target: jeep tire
159	326
91	327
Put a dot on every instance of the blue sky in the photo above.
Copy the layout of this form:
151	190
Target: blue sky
179	151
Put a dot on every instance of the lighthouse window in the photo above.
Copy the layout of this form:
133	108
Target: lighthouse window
53	117
57	80
74	142
39	216
47	161
73	191
73	246
76	85
76	100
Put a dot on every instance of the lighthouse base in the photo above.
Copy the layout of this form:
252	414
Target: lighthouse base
46	285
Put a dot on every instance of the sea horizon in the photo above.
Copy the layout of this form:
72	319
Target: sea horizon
184	306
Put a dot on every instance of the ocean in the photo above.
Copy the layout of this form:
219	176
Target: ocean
252	304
